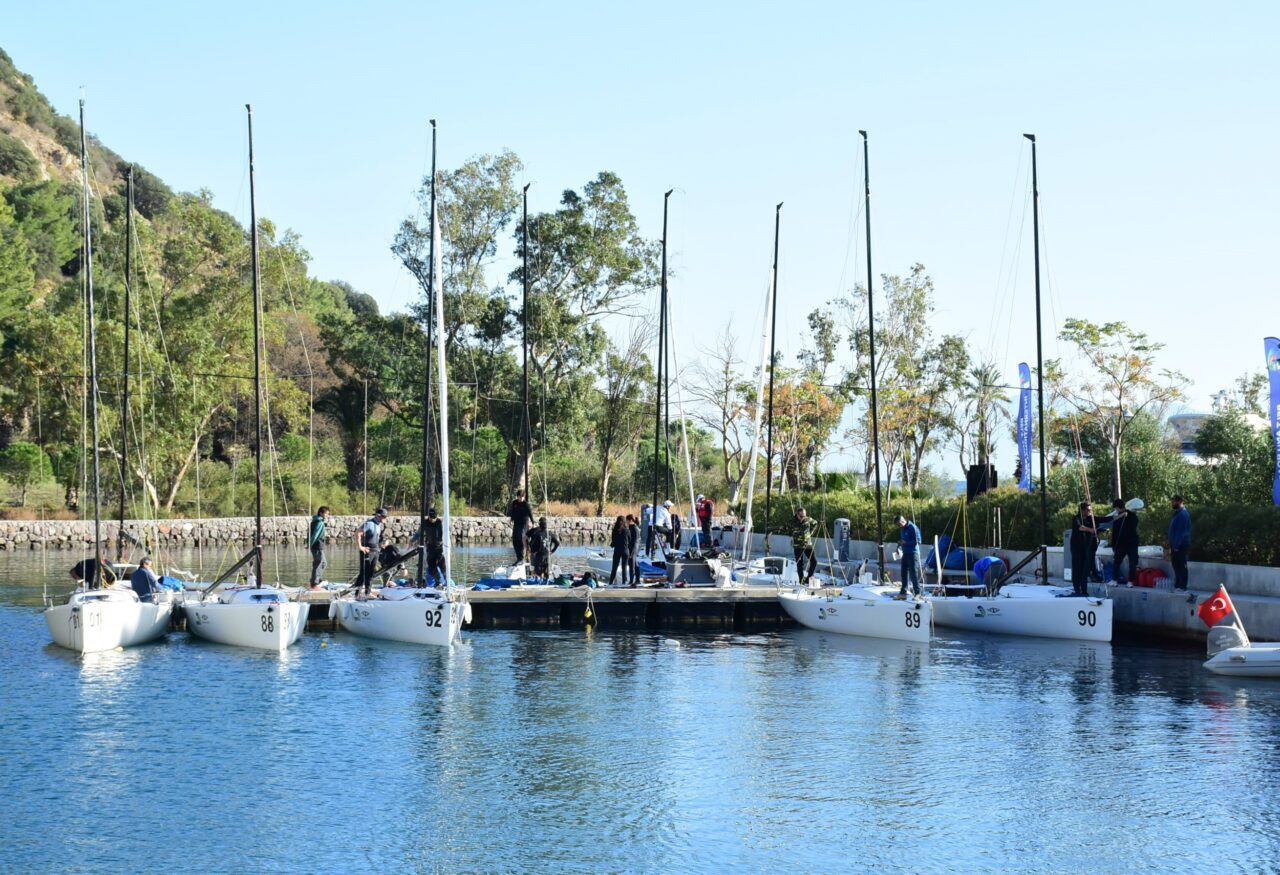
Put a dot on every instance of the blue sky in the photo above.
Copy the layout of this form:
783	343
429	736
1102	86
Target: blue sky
1156	124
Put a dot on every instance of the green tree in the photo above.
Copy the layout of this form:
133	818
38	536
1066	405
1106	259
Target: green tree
16	274
1239	461
621	413
16	159
24	465
48	216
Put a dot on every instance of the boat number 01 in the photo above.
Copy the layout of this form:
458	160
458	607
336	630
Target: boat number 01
1087	618
94	619
433	617
913	619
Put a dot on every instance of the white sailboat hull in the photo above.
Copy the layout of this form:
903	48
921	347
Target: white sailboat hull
262	625
416	616
865	613
106	619
1248	661
1028	610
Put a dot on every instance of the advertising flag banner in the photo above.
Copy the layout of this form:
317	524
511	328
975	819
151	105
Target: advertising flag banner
1024	425
1273	375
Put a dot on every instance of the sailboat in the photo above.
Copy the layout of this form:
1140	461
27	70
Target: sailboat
97	617
1020	608
257	616
418	614
863	608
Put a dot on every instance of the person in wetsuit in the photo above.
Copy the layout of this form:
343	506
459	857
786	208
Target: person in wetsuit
542	543
521	519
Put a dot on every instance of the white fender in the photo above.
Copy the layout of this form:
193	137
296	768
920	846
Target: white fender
466	612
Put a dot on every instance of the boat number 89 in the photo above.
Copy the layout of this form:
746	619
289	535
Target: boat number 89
913	619
433	617
1087	618
268	623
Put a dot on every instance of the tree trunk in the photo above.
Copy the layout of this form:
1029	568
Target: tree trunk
605	474
1115	470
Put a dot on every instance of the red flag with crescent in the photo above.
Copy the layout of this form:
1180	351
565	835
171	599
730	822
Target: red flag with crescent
1215	607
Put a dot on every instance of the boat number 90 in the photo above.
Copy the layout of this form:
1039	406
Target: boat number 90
433	617
913	619
268	623
1087	618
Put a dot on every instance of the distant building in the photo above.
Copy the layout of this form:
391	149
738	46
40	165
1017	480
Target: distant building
1187	425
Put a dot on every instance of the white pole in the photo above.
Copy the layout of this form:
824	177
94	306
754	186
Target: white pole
684	428
755	431
438	291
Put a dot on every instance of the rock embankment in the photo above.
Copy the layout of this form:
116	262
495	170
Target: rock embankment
74	534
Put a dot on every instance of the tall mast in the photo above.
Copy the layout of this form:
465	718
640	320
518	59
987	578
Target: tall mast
427	486
1035	213
124	395
443	373
773	348
86	216
525	428
662	348
257	364
871	322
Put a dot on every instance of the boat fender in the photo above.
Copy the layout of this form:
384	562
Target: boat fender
466	612
333	610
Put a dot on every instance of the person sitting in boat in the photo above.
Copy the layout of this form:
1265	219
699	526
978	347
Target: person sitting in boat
433	540
909	547
988	571
542	543
803	530
83	571
144	581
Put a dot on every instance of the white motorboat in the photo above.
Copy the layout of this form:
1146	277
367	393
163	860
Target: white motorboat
410	614
103	619
869	611
247	616
1232	653
1028	609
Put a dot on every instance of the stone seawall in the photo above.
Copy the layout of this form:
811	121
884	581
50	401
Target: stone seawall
74	534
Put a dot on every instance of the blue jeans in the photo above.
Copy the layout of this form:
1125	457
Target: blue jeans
911	571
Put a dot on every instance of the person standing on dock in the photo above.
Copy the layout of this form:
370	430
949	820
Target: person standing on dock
369	542
521	519
433	543
315	542
1084	544
633	547
620	540
1124	541
705	508
803	528
542	543
909	546
1179	542
646	526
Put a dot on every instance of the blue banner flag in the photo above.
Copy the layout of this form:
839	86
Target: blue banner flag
1024	425
1273	374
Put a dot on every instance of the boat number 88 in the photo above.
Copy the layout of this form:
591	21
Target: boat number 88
433	617
268	623
913	619
1087	618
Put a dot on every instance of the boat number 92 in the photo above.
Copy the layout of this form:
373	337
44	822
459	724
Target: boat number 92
433	617
913	619
1087	618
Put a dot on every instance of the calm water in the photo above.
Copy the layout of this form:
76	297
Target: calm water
610	752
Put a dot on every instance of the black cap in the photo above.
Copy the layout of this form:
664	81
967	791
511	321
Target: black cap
382	511
431	511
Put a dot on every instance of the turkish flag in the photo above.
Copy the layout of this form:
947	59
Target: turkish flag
1215	607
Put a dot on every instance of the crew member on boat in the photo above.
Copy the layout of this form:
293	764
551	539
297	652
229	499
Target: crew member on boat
705	508
1124	540
144	581
542	543
909	545
988	571
1084	543
315	541
369	542
803	529
677	536
433	542
521	518
662	525
84	571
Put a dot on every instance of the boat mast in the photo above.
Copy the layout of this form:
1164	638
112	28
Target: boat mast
662	354
755	427
773	341
525	426
257	365
86	217
1044	497
427	485
124	396
443	373
871	323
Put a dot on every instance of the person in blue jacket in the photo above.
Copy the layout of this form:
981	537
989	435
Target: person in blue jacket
144	581
987	572
909	544
1179	541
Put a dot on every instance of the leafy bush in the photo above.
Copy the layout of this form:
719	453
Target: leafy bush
16	159
24	465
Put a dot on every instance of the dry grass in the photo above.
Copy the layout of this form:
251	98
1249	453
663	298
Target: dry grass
35	513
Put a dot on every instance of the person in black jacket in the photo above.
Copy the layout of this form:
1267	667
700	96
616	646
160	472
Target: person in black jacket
521	519
1124	543
620	540
633	547
1084	542
542	543
433	543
